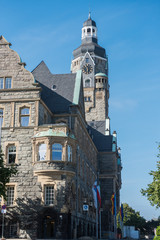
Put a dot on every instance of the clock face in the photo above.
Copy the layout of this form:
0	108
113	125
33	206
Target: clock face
87	68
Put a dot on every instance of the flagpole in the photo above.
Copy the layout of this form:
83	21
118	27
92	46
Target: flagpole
97	223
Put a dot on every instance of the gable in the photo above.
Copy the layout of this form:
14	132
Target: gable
12	67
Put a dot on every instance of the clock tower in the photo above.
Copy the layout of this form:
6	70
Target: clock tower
92	60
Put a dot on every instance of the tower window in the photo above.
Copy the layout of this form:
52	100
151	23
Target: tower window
87	83
93	30
88	30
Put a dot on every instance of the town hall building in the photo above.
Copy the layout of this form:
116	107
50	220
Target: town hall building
56	129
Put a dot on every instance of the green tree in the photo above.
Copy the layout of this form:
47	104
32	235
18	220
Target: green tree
133	218
5	174
152	192
157	237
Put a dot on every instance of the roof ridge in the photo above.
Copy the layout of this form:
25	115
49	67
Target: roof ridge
38	65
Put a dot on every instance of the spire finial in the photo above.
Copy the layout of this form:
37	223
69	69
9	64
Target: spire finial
89	15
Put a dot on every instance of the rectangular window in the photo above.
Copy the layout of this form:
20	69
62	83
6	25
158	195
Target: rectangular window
42	152
24	117
1	117
1	83
8	83
69	153
49	195
11	154
10	196
56	152
87	60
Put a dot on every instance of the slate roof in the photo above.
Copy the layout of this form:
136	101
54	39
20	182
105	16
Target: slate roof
91	47
102	142
59	99
89	22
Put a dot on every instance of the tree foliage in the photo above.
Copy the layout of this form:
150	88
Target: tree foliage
5	175
152	192
133	218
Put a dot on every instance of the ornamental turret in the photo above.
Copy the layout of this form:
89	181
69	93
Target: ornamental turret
89	31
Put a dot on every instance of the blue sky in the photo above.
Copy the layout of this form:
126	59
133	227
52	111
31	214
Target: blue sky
129	30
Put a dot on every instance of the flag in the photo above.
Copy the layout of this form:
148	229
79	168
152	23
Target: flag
112	200
96	194
94	190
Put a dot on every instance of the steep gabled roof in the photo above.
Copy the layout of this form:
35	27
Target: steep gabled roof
59	91
103	143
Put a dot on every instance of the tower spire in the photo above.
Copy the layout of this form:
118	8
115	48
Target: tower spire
89	15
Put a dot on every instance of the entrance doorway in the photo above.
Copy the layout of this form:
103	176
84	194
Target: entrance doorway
48	227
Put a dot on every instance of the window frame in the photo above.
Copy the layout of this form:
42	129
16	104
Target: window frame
57	151
14	153
6	147
41	143
21	115
5	82
69	153
51	198
11	202
87	84
2	117
1	78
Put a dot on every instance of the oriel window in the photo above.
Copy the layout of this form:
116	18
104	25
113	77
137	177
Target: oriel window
69	153
42	152
56	152
24	117
11	154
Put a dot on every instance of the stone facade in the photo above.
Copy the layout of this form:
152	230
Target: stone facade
58	154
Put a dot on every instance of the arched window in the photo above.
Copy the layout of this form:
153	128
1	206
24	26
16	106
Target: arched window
24	117
69	153
56	152
42	152
88	30
87	83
